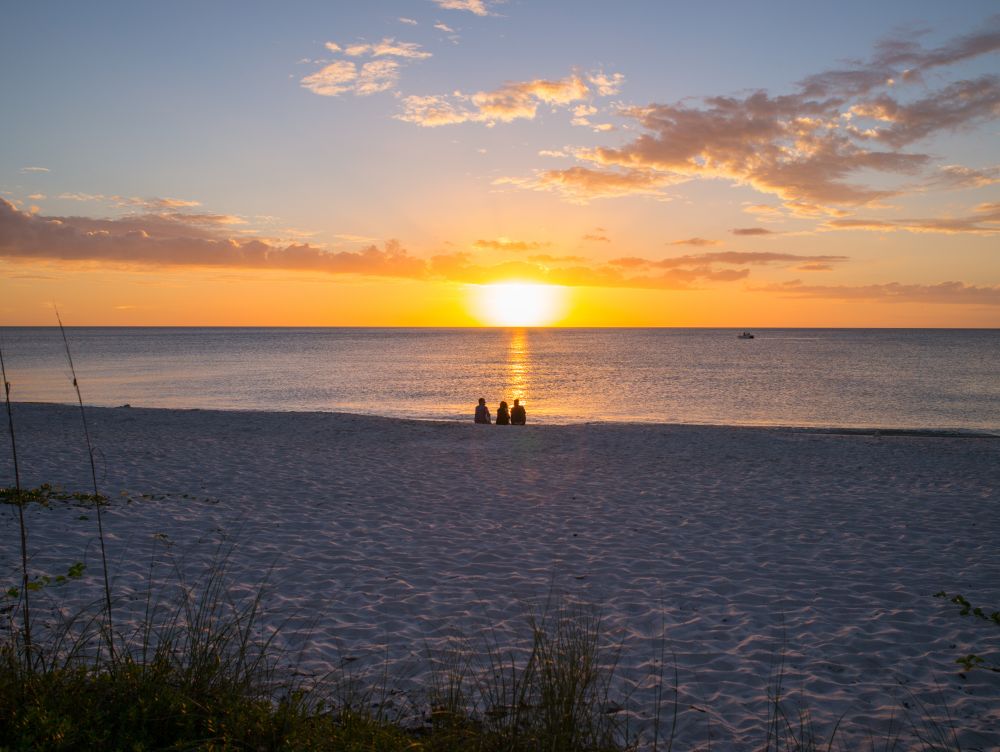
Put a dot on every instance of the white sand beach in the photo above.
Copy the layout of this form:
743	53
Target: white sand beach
385	539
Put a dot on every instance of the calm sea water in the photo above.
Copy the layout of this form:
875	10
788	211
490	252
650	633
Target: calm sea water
923	379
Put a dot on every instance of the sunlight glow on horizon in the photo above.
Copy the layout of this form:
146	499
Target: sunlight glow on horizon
518	304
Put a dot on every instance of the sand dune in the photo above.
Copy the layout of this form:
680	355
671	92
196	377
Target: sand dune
386	540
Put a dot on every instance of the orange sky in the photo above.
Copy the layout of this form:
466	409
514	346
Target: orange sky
379	165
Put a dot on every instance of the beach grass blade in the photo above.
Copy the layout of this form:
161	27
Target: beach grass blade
97	500
20	518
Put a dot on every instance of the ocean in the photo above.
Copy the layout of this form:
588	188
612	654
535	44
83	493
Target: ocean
921	379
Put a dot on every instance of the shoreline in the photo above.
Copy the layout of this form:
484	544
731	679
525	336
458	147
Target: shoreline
387	540
870	430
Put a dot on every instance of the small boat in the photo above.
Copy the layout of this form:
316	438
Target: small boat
745	335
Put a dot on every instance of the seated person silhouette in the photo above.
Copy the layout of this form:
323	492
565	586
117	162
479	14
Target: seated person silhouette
503	415
517	414
482	412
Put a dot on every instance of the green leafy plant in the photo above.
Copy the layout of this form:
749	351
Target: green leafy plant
75	572
971	660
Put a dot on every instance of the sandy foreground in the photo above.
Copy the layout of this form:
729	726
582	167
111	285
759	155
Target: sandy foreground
391	541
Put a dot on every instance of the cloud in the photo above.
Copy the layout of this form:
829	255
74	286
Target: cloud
699	242
951	293
984	221
545	258
552	153
958	177
518	100
813	266
36	196
473	6
784	146
205	219
376	76
582	184
504	105
764	210
752	231
81	196
407	21
334	79
353	238
372	77
201	241
606	85
957	106
444	27
459	267
901	58
596	238
581	114
149	204
432	111
175	239
816	148
169	240
154	203
391	48
733	258
29	170
506	244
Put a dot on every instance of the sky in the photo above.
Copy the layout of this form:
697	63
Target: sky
477	162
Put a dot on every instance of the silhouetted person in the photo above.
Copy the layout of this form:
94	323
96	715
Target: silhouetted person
503	416
482	412
517	414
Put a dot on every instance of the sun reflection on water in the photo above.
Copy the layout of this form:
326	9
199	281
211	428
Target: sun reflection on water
518	366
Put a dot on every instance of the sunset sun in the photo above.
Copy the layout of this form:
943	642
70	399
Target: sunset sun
518	304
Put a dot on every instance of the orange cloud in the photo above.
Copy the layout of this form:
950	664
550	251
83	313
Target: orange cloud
957	105
173	239
698	242
738	258
512	101
752	231
814	267
506	244
810	148
458	267
205	219
545	258
581	184
959	176
606	85
985	221
336	78
952	293
166	240
477	7
387	47
764	210
344	76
